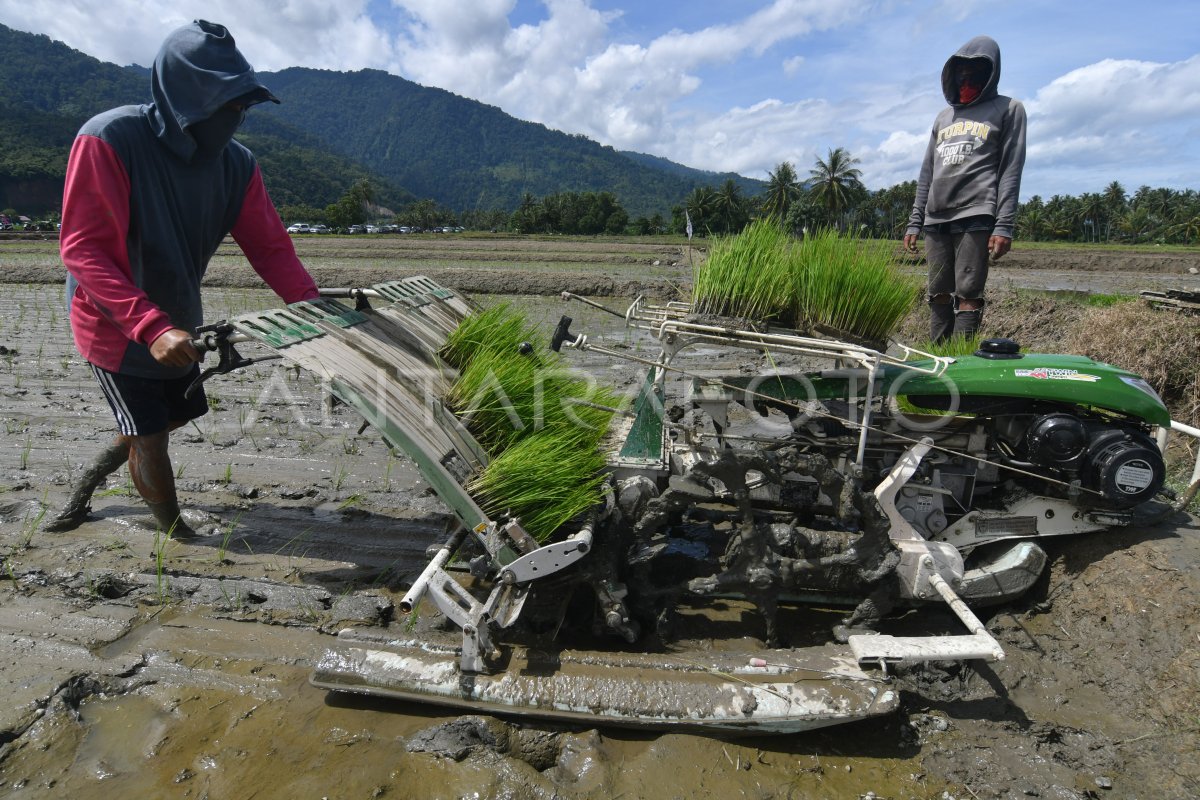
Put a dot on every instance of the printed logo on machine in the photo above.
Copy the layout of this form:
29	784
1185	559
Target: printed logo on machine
1049	374
1134	476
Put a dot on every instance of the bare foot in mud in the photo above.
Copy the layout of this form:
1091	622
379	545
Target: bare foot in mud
191	523
67	519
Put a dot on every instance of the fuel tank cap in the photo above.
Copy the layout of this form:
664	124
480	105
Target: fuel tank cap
999	349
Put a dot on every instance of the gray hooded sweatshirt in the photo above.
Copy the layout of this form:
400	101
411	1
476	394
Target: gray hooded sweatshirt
976	152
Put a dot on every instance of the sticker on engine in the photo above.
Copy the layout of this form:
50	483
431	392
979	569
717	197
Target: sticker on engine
1134	476
1048	374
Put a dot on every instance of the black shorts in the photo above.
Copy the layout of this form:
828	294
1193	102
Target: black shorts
145	406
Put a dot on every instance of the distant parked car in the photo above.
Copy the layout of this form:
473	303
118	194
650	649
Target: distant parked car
321	229
357	229
300	227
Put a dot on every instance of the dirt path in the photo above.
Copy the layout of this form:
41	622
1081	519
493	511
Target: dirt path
140	667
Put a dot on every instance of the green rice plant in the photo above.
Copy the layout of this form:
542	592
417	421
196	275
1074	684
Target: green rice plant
501	395
32	524
352	501
224	547
850	286
540	422
544	480
387	471
554	472
749	275
161	582
955	346
500	328
504	398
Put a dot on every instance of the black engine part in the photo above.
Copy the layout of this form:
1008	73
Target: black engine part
1125	467
1057	440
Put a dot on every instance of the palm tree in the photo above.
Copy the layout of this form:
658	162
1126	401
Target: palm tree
1188	228
731	205
1137	222
1092	212
836	181
1031	220
1114	200
782	190
702	205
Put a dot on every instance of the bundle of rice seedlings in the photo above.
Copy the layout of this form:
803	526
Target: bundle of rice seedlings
500	328
523	407
551	470
501	394
544	480
748	275
852	286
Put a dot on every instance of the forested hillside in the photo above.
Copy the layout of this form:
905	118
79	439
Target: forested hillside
332	130
48	90
465	154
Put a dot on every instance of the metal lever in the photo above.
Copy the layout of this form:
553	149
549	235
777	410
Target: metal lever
562	335
220	336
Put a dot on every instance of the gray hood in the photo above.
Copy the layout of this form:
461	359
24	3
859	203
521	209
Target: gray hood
980	47
197	70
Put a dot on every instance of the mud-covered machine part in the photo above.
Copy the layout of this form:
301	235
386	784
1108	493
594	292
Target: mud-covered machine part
851	496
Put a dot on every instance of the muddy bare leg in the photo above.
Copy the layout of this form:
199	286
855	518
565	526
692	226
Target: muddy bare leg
150	468
76	509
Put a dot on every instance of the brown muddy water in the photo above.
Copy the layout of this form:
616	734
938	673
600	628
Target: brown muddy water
135	666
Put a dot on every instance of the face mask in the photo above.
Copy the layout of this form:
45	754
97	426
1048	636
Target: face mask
214	133
968	92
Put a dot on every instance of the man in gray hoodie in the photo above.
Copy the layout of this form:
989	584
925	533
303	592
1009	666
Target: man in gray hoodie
967	191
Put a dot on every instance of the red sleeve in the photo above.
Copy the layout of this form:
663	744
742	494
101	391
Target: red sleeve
261	235
95	223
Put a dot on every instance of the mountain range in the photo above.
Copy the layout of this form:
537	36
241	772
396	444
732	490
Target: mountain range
332	129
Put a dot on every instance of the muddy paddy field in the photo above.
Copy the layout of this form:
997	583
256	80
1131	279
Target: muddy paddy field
136	666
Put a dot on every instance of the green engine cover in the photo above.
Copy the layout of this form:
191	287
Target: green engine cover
1070	380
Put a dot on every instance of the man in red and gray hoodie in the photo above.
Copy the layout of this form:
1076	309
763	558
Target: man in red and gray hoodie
967	191
151	191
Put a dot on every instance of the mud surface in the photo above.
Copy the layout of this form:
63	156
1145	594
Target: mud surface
143	667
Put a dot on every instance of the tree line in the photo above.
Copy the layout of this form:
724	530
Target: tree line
832	195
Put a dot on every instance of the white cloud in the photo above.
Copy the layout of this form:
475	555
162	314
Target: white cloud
1118	94
787	80
565	73
272	35
1127	120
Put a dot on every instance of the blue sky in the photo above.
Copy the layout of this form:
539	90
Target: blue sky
1112	88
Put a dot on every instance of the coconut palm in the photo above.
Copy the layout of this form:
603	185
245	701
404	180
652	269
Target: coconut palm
783	189
836	181
702	205
1031	220
730	205
1136	223
1092	212
1187	229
